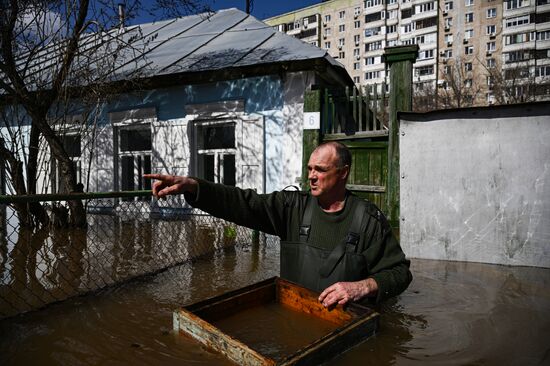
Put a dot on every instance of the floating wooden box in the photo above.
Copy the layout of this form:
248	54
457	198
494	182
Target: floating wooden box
352	324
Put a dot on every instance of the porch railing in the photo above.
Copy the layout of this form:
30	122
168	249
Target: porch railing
355	113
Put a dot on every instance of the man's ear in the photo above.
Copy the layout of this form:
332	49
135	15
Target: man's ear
345	172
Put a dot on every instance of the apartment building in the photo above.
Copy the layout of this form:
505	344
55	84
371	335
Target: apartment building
526	48
464	45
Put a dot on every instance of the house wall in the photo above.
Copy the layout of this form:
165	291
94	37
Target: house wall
271	132
476	185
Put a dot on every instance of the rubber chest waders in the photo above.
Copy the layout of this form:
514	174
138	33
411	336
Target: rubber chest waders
317	268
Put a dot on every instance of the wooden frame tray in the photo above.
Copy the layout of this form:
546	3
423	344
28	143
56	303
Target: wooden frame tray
354	323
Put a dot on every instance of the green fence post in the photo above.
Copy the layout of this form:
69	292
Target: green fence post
311	138
400	60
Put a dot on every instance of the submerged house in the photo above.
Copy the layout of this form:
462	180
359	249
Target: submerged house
220	96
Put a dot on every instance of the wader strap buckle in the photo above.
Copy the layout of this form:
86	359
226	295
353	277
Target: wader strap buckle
353	238
304	232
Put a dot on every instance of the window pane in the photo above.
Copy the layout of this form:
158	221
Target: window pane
207	166
147	170
229	170
127	176
135	139
71	143
217	136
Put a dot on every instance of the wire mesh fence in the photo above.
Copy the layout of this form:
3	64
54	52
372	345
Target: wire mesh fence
125	237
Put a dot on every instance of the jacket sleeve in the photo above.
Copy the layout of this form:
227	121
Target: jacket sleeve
386	260
245	207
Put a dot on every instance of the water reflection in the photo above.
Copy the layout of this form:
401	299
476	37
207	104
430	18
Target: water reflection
453	314
42	266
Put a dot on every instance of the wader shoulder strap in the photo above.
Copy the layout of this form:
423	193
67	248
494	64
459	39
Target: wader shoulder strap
305	225
351	240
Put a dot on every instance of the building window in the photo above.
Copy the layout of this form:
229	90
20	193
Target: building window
391	14
328	31
468	83
72	143
356	65
491	46
327	18
425	54
327	45
134	156
447	69
448	53
356	79
468	50
357	39
342	28
216	151
448	39
371	3
407	28
515	4
469	2
517	21
468	33
424	70
373	46
372	75
543	36
468	66
421	8
369	60
518	38
356	52
491	30
426	38
469	17
448	5
391	29
341	42
341	54
357	11
342	14
542	71
369	32
357	24
492	13
491	63
448	22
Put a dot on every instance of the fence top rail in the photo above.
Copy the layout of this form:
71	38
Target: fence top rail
5	199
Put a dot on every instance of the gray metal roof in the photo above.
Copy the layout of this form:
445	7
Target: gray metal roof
227	38
199	44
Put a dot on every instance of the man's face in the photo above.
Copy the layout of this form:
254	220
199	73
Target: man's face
323	172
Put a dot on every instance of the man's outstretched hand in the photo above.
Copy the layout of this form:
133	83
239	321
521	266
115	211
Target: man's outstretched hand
171	184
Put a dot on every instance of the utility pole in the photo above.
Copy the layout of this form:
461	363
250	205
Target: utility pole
249	6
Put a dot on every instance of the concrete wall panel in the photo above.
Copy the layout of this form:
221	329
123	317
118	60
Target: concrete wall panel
475	185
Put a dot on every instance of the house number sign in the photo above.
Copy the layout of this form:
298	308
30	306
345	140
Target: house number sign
312	120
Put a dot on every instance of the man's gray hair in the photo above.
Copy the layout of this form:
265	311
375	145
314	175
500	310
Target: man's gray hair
342	153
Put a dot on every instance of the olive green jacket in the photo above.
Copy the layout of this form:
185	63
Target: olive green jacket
280	213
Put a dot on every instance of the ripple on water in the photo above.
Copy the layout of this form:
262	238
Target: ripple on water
453	313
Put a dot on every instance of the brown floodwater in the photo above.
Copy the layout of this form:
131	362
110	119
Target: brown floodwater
453	314
274	330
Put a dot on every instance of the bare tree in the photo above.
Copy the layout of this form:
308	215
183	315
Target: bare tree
425	97
57	59
513	83
460	89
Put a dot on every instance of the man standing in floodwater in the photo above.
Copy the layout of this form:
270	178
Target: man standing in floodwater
331	240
